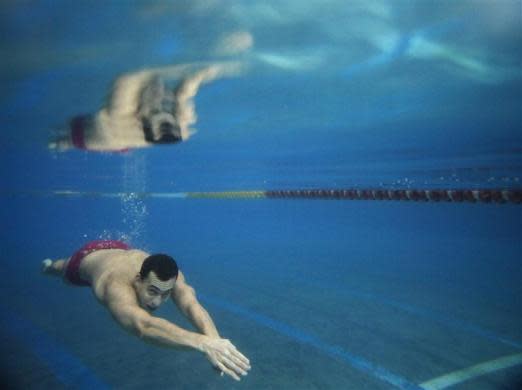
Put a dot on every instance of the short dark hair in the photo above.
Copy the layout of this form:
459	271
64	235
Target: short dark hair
164	267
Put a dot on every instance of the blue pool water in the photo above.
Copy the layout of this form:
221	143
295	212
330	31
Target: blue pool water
319	294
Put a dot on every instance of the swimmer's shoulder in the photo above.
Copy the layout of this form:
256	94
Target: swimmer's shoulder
116	271
107	266
113	287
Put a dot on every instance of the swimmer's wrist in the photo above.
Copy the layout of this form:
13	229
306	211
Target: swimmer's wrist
201	343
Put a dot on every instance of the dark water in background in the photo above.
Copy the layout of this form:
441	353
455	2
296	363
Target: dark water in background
357	94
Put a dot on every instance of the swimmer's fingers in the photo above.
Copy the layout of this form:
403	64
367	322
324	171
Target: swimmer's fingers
223	354
241	358
241	363
238	355
227	371
216	368
232	364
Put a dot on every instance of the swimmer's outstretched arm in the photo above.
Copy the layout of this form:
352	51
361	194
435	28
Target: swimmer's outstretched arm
185	298
221	353
225	68
125	92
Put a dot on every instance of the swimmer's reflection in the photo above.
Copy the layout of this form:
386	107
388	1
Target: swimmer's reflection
144	110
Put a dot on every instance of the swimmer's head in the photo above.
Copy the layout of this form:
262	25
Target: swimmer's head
161	129
155	281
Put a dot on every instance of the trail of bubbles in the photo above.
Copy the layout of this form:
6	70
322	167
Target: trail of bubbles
133	208
114	235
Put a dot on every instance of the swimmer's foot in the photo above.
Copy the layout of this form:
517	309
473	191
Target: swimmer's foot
46	266
60	144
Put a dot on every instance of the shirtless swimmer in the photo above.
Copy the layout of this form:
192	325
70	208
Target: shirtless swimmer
131	284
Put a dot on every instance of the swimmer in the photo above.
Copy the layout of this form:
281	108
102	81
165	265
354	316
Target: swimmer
144	110
131	284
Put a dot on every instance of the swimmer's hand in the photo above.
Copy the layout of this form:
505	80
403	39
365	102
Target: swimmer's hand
225	357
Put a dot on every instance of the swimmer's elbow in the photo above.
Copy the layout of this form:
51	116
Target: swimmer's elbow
141	327
131	321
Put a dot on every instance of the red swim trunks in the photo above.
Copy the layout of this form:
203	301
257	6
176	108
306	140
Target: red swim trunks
72	272
78	125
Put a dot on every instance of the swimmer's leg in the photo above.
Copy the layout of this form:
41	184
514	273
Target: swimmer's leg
54	268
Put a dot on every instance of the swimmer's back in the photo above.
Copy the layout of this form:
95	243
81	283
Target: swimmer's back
123	265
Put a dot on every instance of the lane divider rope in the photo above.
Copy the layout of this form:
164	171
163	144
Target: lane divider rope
498	196
419	195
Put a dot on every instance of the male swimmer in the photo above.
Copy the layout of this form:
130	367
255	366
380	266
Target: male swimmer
143	110
131	284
